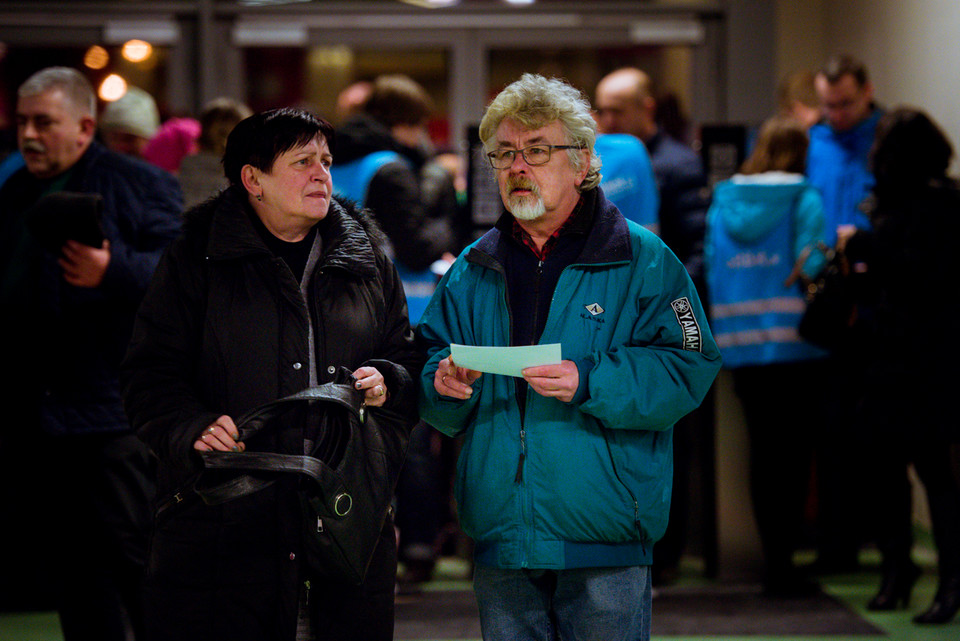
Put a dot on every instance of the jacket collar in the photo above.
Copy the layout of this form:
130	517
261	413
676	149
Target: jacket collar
346	244
608	240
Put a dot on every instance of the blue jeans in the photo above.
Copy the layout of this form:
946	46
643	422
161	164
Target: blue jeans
585	604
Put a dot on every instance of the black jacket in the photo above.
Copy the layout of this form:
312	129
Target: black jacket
684	201
222	329
903	273
66	342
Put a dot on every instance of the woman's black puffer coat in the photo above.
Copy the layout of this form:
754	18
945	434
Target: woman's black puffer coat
222	329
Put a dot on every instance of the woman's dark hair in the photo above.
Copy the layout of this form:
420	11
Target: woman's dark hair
260	139
781	146
909	148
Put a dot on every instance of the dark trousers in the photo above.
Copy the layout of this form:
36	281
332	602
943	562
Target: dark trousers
421	495
781	409
97	516
909	423
840	468
693	501
213	574
892	499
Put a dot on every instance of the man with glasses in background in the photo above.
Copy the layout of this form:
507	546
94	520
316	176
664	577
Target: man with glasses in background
840	144
565	471
838	165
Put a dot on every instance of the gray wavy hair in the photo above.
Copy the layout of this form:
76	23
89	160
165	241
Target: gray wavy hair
534	101
75	87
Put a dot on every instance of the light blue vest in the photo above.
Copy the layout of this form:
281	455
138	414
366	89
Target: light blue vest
352	181
754	315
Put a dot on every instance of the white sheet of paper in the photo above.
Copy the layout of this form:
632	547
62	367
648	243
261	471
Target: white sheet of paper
509	361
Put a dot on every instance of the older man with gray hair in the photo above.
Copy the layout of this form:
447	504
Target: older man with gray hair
564	475
81	231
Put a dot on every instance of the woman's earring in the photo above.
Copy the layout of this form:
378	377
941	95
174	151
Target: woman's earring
260	197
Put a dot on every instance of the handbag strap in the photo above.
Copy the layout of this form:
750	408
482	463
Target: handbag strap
345	395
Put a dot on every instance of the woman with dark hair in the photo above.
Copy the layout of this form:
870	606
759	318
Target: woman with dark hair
763	228
901	270
273	287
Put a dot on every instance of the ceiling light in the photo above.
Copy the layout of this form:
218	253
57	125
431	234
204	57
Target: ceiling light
136	50
96	57
263	3
431	4
112	88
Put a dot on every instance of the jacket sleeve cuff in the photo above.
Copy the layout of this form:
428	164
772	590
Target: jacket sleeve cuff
584	367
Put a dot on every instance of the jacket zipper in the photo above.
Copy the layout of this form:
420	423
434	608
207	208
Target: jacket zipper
636	504
518	477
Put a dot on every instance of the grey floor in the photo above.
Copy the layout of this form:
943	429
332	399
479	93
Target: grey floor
443	609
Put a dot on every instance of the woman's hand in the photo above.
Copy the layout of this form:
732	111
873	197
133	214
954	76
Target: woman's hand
221	435
370	380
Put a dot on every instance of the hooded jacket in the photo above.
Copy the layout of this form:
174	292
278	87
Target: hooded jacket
419	231
760	228
224	328
586	483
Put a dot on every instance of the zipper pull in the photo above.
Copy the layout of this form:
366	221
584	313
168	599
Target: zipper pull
519	476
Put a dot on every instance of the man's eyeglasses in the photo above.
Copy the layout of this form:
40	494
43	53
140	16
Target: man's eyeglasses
533	155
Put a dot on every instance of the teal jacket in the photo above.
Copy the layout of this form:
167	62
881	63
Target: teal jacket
593	486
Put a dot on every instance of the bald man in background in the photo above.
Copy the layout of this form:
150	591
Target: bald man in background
625	103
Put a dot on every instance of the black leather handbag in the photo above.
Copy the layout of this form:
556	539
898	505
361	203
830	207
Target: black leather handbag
347	479
831	307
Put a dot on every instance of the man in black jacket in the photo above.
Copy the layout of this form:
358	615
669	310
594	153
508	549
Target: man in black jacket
69	302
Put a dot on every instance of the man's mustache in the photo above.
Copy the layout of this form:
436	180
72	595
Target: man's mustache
521	182
35	146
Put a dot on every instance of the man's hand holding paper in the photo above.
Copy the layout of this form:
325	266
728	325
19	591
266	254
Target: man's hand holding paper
539	365
453	381
559	381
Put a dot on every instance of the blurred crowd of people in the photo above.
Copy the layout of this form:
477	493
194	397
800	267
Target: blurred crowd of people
833	176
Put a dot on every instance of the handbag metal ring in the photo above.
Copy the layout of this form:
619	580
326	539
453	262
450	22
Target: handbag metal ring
343	504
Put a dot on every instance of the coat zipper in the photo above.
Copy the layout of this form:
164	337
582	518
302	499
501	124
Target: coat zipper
636	504
518	477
